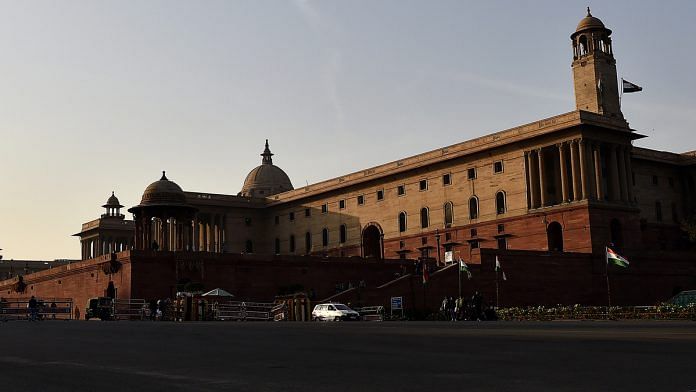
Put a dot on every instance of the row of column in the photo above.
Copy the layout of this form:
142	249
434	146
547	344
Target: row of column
576	170
204	233
94	247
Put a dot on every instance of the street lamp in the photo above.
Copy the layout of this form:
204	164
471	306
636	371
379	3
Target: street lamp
437	239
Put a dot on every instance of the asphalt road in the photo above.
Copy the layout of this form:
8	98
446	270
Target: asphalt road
360	356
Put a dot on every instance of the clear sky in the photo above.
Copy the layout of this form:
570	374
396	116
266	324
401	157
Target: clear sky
98	96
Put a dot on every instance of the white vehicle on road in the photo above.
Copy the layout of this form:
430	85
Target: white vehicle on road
334	312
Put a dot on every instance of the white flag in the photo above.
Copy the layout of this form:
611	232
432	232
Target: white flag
498	267
464	268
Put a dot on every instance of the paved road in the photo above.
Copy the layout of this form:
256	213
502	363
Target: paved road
416	356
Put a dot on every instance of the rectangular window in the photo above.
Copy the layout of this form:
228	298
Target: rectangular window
447	179
307	212
502	243
292	216
448	236
277	219
424	240
498	167
361	200
501	228
380	194
423	185
471	173
474	244
324	208
341	204
401	190
473	233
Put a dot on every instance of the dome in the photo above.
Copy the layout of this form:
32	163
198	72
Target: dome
266	179
163	192
589	22
112	202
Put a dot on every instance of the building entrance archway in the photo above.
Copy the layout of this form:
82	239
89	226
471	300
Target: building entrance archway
554	233
372	241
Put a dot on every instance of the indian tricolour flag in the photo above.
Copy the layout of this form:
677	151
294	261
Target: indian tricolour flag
464	268
615	258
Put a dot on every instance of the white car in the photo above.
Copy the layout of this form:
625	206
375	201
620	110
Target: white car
334	312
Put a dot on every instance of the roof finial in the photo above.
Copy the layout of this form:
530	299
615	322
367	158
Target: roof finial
588	11
267	154
112	193
164	176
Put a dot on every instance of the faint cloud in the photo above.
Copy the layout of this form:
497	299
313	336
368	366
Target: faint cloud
331	67
509	87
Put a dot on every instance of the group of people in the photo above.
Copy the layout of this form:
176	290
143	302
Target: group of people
157	309
463	309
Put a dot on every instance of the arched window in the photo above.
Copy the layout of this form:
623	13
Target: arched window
500	202
277	246
583	45
425	219
308	242
473	208
343	234
325	237
402	222
249	246
292	244
554	233
449	214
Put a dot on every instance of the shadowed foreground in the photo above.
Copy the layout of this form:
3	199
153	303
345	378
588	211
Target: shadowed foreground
416	356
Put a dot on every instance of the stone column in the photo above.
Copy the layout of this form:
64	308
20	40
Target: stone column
195	235
596	154
532	168
629	173
165	234
575	169
564	171
614	192
621	163
583	169
542	180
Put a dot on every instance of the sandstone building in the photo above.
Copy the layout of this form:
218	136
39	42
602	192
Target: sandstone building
573	182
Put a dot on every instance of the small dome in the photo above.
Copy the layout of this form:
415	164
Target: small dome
589	22
163	192
112	202
266	179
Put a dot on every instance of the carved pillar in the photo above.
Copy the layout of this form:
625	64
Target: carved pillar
596	154
532	168
195	237
583	169
564	171
614	192
165	234
621	164
629	173
542	179
575	169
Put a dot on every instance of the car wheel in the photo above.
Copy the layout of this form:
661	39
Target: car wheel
337	318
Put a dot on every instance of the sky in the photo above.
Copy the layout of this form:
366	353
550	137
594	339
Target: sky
102	96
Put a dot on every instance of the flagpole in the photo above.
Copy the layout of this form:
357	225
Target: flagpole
459	267
497	292
606	269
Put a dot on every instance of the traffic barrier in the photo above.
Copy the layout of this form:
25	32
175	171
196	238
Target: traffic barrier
18	308
371	313
130	309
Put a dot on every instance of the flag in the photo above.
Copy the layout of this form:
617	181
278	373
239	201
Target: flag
615	258
426	274
498	267
463	268
629	87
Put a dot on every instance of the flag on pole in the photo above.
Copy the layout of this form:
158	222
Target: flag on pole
615	258
498	267
464	268
629	87
426	274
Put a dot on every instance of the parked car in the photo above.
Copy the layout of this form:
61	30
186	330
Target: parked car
334	312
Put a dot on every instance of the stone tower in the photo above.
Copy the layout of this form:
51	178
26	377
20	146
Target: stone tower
594	68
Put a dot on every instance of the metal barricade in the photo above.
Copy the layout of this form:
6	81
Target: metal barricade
371	313
253	311
47	309
130	309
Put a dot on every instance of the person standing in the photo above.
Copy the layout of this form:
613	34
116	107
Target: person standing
33	308
54	307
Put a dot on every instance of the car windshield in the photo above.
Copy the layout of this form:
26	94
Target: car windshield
341	307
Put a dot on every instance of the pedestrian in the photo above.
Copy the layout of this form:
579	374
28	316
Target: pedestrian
33	306
450	309
54	307
477	303
458	306
153	310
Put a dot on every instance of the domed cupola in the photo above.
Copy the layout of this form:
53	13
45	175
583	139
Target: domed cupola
112	207
163	192
267	179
